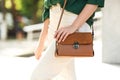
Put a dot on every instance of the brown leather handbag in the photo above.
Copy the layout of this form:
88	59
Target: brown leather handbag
78	44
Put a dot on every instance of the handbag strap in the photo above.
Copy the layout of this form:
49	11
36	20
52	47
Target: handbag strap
65	1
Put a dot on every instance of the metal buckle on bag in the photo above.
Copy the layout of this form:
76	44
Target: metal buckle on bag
76	45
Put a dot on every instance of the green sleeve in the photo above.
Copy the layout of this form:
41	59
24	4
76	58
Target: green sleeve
45	14
100	3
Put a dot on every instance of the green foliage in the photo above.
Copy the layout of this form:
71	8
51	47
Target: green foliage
32	8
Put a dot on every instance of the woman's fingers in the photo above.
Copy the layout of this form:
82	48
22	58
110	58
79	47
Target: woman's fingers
62	33
65	37
58	34
62	36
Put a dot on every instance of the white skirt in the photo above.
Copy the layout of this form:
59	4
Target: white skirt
50	66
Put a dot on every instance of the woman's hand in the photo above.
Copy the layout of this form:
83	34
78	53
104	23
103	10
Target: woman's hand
62	33
38	53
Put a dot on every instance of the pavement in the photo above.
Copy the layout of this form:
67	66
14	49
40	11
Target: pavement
15	48
17	61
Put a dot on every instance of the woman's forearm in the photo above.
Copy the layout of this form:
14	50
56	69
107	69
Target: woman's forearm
43	35
88	10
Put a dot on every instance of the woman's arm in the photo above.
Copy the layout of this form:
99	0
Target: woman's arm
88	10
42	38
63	32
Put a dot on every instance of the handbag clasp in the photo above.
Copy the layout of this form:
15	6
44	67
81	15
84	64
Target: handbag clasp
76	45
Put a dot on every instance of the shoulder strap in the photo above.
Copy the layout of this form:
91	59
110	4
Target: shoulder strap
65	1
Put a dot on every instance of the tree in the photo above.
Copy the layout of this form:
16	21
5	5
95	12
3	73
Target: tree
30	8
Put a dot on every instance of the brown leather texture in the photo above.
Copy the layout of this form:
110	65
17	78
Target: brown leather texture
76	45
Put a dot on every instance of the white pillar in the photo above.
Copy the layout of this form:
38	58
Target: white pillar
111	31
3	30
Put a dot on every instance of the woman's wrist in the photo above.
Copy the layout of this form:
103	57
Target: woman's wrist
75	27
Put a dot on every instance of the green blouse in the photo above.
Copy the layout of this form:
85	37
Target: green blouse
74	6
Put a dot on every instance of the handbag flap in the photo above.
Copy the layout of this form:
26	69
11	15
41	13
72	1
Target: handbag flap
78	37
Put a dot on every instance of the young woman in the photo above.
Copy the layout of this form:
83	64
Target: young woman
78	15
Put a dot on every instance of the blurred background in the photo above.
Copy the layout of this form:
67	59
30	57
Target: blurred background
16	14
20	27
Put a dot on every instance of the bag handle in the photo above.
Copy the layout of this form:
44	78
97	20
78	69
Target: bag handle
65	1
